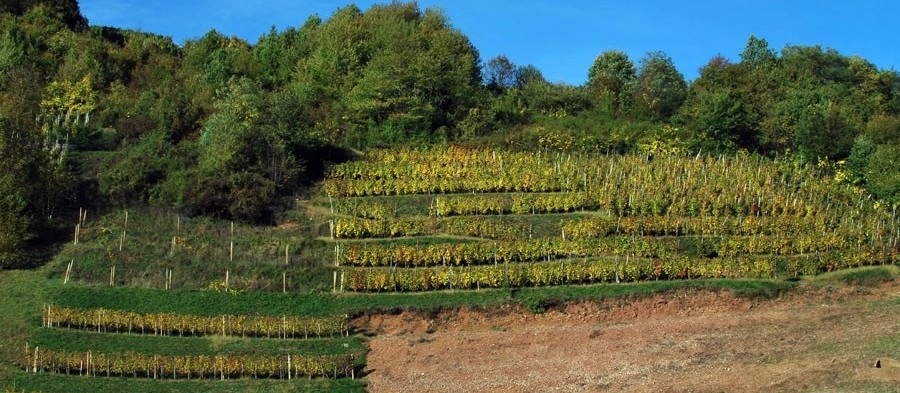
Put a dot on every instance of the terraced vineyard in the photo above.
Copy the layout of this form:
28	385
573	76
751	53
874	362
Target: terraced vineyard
150	301
136	304
553	219
181	340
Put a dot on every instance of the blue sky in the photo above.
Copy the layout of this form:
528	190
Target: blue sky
562	38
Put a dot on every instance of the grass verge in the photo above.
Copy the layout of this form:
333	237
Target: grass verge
80	341
215	303
44	382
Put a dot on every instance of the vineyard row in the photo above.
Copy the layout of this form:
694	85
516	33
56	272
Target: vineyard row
186	367
584	271
105	320
589	227
463	254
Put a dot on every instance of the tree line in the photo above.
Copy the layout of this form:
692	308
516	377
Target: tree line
101	116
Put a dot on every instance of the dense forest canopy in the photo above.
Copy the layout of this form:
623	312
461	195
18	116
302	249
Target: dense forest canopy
102	117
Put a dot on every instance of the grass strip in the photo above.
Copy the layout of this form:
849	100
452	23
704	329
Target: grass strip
213	303
49	382
70	340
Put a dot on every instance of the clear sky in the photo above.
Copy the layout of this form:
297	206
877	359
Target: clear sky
562	38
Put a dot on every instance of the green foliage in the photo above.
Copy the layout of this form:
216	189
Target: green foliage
757	54
501	74
134	171
883	173
659	88
219	126
825	133
214	59
15	223
278	53
610	79
719	110
858	161
374	66
66	10
884	129
12	52
723	120
555	99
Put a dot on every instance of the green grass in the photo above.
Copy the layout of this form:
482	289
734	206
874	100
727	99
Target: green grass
215	303
79	341
887	346
201	254
21	295
863	276
22	292
72	383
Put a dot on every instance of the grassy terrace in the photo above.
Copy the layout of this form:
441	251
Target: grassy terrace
211	303
664	220
81	341
23	292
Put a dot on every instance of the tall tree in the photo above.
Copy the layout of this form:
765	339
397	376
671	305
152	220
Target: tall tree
757	54
67	10
389	74
659	89
610	77
501	74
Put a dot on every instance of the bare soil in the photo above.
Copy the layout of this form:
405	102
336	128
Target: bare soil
814	339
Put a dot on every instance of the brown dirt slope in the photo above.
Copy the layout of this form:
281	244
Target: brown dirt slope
814	339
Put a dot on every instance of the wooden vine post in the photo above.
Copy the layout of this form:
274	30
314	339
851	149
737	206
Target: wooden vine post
68	272
124	230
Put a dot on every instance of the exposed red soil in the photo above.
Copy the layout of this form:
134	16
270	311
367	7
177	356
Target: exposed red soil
813	339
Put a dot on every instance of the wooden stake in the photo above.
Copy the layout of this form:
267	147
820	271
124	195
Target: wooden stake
287	258
124	229
68	272
342	281
334	282
112	274
283	282
226	279
77	229
231	244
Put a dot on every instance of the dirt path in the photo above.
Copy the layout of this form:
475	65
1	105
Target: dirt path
820	340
